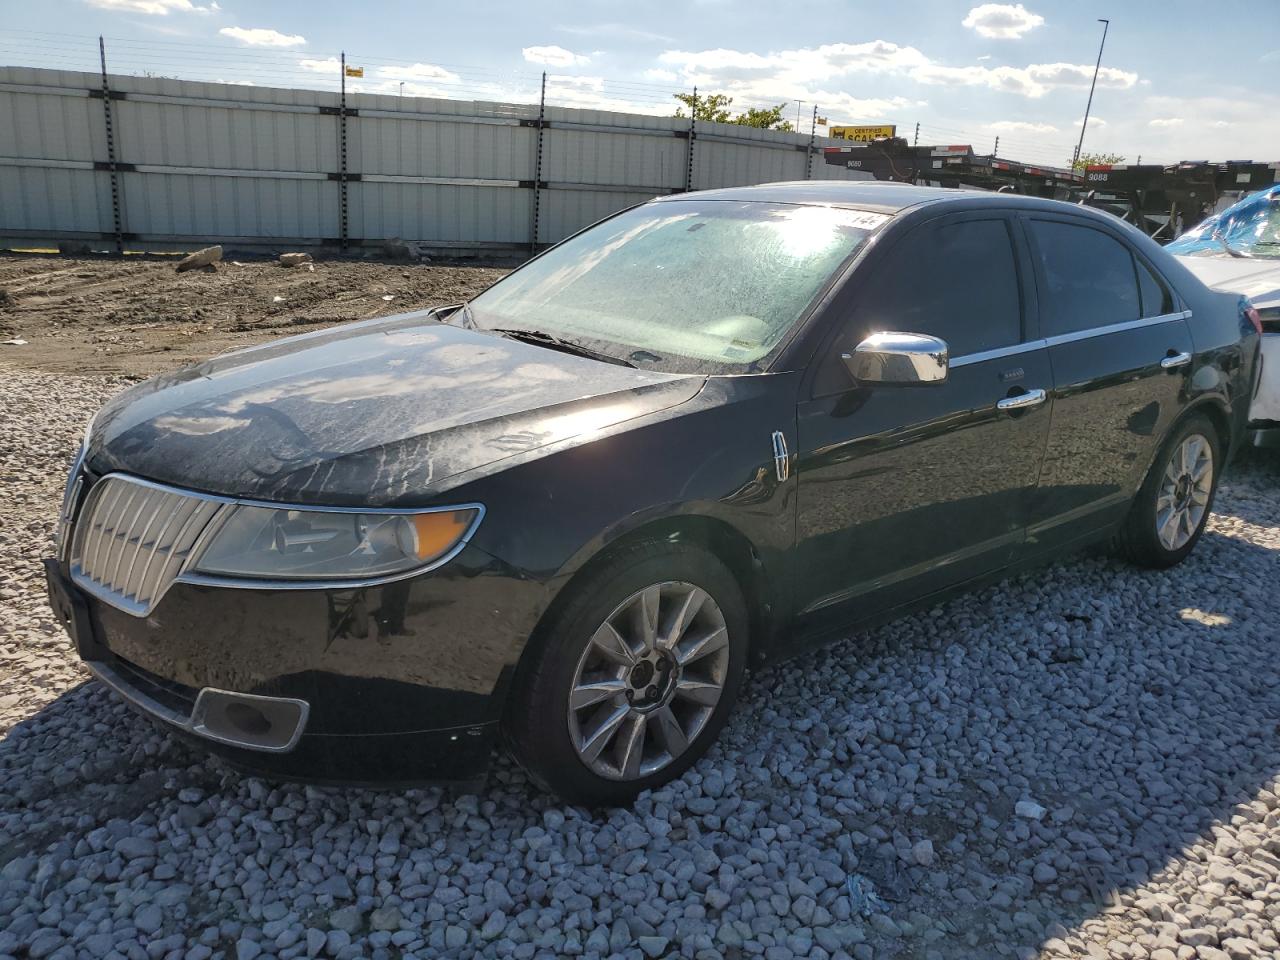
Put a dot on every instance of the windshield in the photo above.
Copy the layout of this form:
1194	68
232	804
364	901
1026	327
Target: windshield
1250	228
682	285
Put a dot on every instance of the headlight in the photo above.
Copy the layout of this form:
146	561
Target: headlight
272	543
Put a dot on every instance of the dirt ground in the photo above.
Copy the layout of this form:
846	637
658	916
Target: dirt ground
137	316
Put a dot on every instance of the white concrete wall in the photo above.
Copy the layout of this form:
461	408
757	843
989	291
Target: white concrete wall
210	162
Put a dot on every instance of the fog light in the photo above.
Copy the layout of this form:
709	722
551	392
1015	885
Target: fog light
248	720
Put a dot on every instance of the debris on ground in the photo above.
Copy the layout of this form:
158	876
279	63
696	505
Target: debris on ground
69	309
201	258
294	259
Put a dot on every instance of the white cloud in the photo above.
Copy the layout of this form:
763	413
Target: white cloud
1242	128
329	65
619	31
1021	126
262	37
553	56
155	8
419	72
658	75
1165	122
985	56
780	74
1002	21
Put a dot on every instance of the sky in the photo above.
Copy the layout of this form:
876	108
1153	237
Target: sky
1177	81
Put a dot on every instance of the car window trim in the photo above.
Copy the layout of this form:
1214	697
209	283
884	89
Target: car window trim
877	249
1061	338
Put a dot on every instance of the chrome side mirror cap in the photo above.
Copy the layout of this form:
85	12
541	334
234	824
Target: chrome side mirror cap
898	358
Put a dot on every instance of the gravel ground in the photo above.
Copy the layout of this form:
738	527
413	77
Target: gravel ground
1080	763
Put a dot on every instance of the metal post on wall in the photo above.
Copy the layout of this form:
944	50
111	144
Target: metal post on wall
916	139
813	132
342	156
996	149
537	166
693	133
111	150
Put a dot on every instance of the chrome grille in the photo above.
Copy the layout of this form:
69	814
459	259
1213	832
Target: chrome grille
134	538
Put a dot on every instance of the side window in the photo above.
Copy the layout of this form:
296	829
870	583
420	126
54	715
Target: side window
1156	298
957	281
1090	276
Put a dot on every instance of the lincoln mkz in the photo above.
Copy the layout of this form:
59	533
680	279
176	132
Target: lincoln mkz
708	432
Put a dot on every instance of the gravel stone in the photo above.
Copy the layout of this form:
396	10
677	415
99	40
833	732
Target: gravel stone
1137	708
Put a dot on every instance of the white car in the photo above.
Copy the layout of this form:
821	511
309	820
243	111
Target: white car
1238	251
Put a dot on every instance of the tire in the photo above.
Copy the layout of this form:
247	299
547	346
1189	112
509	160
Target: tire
1158	533
587	753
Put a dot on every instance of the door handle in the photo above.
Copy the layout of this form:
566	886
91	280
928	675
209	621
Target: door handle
1032	398
1175	360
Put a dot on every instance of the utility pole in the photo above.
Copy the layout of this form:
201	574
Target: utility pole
1085	122
798	102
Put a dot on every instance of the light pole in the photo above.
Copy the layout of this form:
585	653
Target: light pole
1085	122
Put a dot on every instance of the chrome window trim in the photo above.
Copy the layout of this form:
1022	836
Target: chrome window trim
191	576
997	353
1117	328
1061	338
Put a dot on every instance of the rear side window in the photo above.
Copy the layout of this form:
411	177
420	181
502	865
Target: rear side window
956	281
1156	298
1091	278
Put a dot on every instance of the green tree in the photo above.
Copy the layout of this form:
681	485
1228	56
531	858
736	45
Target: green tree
1094	159
714	108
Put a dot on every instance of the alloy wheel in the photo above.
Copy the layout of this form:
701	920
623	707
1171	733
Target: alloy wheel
648	681
1184	492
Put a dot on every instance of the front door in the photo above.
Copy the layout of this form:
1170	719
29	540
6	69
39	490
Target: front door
1121	353
906	490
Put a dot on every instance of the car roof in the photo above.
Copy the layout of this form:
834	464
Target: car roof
877	196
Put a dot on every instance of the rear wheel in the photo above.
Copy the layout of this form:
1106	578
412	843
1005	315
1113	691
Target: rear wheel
633	677
1170	512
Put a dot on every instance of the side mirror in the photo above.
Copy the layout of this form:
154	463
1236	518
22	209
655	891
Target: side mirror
898	358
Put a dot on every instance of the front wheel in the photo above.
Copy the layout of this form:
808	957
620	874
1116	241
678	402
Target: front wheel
633	677
1172	507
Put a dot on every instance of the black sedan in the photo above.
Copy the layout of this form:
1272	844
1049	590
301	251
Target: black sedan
703	434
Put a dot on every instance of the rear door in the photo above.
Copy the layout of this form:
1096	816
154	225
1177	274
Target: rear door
906	490
1120	349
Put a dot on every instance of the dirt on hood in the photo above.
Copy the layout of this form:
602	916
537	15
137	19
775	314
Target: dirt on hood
136	316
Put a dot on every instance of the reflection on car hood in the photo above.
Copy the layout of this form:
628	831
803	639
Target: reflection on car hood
1259	280
373	413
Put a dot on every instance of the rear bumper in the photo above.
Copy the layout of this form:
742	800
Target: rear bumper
403	683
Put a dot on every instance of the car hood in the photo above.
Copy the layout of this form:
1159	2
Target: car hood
374	413
1259	280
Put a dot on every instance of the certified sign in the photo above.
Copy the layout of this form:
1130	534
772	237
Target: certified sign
864	134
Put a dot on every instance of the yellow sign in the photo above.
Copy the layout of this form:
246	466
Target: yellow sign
355	71
863	134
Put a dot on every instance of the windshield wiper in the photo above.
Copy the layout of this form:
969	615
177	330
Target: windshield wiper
551	342
1217	235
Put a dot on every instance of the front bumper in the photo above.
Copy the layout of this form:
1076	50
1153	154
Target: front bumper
398	683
